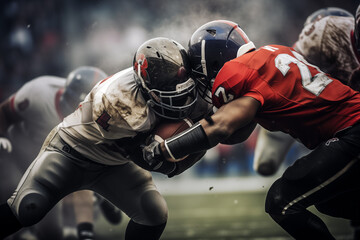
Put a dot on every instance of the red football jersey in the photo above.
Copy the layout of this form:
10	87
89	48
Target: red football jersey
295	96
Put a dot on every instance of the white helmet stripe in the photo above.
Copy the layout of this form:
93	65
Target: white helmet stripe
203	61
245	48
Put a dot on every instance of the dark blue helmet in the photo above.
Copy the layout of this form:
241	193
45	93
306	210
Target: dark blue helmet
329	11
211	46
78	84
164	76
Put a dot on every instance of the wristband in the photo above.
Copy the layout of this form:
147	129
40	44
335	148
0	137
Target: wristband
187	142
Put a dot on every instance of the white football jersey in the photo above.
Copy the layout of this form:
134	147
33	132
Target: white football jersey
113	110
36	103
327	43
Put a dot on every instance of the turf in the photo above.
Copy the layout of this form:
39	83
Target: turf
220	216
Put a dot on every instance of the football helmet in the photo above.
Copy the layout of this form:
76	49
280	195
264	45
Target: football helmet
164	75
357	29
329	11
78	84
210	46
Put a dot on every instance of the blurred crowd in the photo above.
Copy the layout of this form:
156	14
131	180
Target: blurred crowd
32	42
50	37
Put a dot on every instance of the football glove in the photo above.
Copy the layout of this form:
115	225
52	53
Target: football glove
152	154
154	160
5	144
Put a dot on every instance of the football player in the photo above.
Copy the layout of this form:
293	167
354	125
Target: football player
327	41
95	147
25	120
277	88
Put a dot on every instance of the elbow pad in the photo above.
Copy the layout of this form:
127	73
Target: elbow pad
187	142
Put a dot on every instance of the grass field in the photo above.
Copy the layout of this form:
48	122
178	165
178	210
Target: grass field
221	215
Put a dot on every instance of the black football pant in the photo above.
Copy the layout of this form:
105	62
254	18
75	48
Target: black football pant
328	178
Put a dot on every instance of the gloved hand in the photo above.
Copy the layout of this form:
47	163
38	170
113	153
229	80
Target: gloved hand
5	144
152	153
154	160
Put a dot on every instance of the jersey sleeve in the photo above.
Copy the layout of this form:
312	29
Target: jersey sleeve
21	101
231	83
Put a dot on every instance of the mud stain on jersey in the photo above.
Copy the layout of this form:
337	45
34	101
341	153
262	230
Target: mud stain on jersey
123	109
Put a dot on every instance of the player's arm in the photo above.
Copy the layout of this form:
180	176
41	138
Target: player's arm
241	134
166	167
7	118
186	163
208	132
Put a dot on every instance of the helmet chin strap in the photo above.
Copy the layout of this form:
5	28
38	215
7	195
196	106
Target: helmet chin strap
245	48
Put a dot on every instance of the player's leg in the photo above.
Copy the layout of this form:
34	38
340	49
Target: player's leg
48	179
315	178
78	215
111	213
50	226
69	230
83	203
9	178
133	191
345	205
270	151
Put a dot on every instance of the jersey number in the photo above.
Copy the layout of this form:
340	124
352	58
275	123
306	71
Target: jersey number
103	120
226	97
314	84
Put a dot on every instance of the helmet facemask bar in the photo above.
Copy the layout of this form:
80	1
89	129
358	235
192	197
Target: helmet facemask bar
204	86
176	104
205	83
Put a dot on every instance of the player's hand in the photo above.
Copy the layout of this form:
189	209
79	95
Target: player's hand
155	160
152	154
5	144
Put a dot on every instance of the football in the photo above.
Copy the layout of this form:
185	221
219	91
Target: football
168	128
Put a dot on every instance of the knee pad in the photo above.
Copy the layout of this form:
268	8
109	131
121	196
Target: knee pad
274	199
277	198
32	208
154	207
281	199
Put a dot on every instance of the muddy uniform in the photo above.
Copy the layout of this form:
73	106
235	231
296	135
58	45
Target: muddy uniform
92	149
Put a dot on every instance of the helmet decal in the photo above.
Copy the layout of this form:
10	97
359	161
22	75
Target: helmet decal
141	60
237	29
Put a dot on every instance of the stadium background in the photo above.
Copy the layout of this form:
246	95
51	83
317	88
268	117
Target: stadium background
219	198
